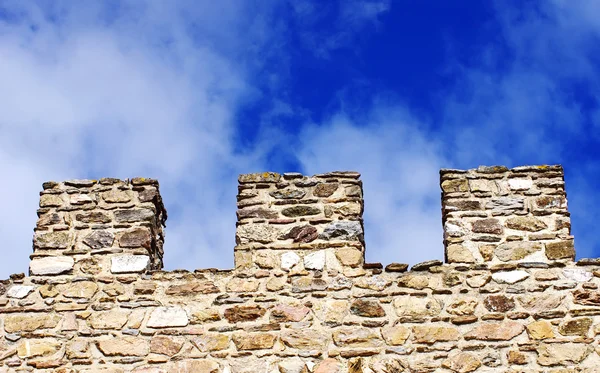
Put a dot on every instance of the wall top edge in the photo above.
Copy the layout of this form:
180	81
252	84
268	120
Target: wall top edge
275	177
504	169
105	181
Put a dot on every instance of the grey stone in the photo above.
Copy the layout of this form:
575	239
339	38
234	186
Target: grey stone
51	240
134	215
288	194
343	230
505	204
99	239
301	210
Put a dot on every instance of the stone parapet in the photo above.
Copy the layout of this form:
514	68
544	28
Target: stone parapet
501	215
300	298
98	227
295	223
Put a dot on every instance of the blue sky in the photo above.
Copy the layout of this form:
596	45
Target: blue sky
195	92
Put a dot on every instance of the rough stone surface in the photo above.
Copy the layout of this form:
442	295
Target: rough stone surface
51	265
301	298
129	263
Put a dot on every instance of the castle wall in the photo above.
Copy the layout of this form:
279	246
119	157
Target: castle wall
319	310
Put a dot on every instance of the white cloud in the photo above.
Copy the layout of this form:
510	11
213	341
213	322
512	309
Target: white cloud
86	99
133	89
399	163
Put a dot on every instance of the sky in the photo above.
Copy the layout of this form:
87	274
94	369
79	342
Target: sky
194	93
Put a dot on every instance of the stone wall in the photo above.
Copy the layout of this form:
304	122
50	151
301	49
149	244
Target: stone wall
301	299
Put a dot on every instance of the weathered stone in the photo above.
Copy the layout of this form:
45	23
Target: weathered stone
288	194
139	237
591	298
50	200
117	196
78	349
342	230
367	308
477	280
300	210
562	353
134	215
456	253
287	313
433	334
511	277
540	330
48	291
258	212
325	189
416	308
37	347
93	217
191	288
576	327
503	331
526	223
80	289
454	228
123	346
451	186
51	265
516	357
99	239
542	302
463	306
516	250
418	282
259	177
462	362
395	335
165	317
560	250
578	274
113	319
129	263
349	256
303	233
335	311
328	366
241	285
289	260
520	184
315	260
499	303
551	202
356	337
505	204
244	313
211	342
202	316
254	341
292	366
263	233
30	322
165	345
52	240
490	226
80	199
304	339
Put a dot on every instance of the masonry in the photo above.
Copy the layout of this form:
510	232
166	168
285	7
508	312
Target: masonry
300	298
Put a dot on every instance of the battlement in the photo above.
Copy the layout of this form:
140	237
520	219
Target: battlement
300	297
